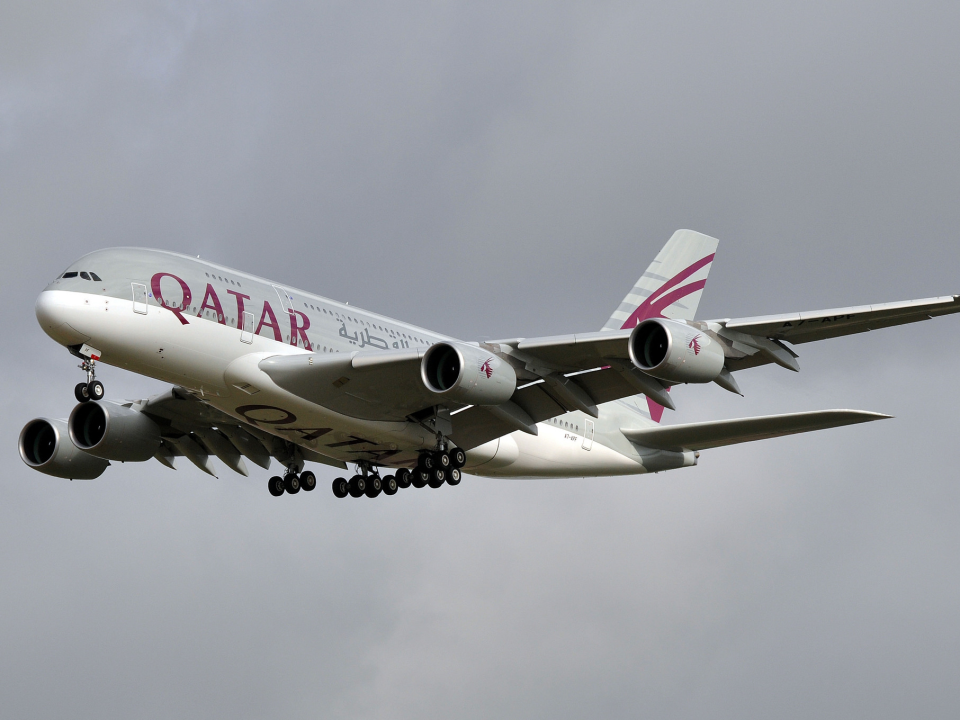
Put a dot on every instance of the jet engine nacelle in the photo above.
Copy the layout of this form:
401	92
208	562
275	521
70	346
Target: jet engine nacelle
113	432
676	352
45	446
467	374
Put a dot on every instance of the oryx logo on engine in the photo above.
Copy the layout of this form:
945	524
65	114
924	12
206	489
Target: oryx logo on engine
487	368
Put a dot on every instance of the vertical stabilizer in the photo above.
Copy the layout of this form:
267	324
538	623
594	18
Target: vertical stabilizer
672	285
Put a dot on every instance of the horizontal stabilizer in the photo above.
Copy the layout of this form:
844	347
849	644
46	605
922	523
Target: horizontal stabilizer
704	435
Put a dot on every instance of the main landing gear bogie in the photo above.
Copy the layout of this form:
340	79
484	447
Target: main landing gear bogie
435	469
292	483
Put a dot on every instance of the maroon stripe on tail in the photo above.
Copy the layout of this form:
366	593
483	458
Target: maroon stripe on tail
657	302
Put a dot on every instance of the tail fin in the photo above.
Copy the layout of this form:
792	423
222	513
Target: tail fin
672	285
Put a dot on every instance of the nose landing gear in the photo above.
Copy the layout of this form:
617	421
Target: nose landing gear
92	389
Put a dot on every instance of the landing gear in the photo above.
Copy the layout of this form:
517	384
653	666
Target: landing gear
434	468
357	486
92	389
374	486
390	486
438	476
419	477
275	486
95	390
293	482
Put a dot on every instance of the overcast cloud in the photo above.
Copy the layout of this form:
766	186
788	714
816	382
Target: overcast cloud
497	170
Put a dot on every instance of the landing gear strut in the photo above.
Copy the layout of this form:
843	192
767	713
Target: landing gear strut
92	389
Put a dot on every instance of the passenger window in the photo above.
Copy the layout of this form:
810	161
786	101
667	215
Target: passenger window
84	276
70	275
95	277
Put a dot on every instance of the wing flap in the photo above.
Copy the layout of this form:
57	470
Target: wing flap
705	435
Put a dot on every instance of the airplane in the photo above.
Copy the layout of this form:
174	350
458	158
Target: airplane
262	371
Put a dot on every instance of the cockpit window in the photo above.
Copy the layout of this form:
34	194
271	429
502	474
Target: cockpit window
70	274
95	277
84	276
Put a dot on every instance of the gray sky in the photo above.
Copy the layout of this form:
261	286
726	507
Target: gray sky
497	170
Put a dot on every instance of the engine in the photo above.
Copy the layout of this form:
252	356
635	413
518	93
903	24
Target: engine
113	432
45	446
467	374
674	351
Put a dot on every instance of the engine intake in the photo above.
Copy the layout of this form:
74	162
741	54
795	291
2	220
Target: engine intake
113	432
45	446
467	374
673	351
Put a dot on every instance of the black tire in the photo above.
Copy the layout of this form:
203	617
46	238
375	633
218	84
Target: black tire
390	485
357	486
80	392
458	458
443	460
308	481
453	477
403	478
374	486
419	477
275	486
438	476
291	483
341	488
427	462
95	390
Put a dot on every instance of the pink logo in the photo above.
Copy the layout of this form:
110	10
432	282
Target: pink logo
695	345
487	368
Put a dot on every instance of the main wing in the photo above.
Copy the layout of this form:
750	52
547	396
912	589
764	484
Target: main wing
804	327
193	429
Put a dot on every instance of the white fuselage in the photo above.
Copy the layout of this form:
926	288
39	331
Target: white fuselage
209	352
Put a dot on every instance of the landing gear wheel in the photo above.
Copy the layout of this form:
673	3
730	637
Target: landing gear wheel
443	460
458	458
419	477
341	488
453	477
357	486
403	478
80	392
389	485
374	486
95	390
427	462
275	486
291	483
308	481
438	476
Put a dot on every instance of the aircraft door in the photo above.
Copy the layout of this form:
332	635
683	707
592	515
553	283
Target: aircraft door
246	334
139	298
588	435
286	301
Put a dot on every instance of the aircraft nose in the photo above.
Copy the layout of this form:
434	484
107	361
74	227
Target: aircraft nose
53	311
